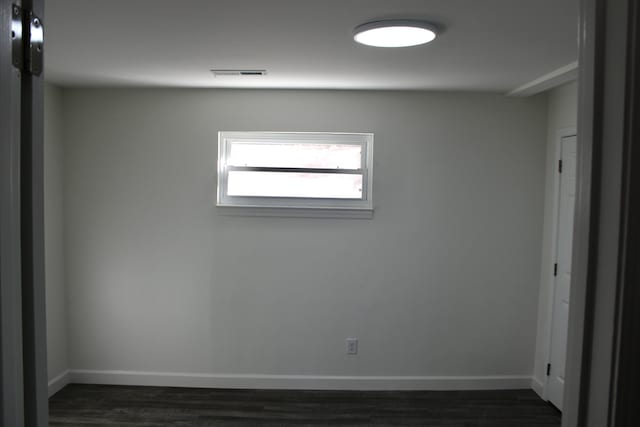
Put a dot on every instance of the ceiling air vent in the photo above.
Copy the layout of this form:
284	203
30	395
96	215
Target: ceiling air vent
221	73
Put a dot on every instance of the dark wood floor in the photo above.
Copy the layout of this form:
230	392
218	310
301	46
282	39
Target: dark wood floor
98	405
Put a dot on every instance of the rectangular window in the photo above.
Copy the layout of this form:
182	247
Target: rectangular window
277	171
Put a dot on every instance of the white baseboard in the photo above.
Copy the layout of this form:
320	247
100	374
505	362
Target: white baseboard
538	387
57	383
311	382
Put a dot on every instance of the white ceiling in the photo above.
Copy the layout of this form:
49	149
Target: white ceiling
489	45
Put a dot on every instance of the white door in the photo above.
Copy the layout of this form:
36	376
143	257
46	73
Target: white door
564	236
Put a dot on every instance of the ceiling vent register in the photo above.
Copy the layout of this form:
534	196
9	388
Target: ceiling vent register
242	73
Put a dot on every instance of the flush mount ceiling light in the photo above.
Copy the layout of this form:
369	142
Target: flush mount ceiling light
395	33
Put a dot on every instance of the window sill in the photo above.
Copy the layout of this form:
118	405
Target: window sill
315	212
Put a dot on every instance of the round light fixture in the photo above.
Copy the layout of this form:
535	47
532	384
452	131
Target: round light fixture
395	33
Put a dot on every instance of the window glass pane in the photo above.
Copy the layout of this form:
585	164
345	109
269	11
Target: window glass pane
292	155
284	184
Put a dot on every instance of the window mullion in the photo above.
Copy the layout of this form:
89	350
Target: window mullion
295	170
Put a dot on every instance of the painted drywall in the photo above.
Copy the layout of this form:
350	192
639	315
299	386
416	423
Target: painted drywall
562	115
57	355
443	281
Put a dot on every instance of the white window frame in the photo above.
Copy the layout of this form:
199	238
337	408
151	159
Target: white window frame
296	206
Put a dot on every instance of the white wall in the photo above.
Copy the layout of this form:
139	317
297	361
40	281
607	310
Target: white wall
442	282
562	114
54	231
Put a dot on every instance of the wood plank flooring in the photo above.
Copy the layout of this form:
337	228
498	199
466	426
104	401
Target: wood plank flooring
99	405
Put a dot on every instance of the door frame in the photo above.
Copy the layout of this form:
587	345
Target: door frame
11	364
23	357
626	385
553	253
34	321
603	380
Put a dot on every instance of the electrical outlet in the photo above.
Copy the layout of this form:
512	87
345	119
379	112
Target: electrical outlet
352	345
